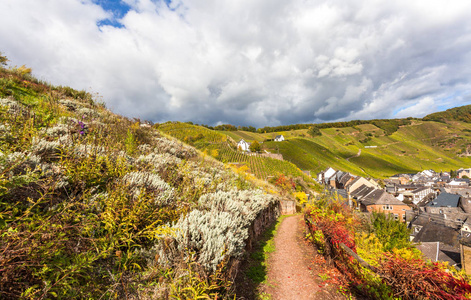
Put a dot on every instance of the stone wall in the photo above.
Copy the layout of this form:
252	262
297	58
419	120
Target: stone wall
287	207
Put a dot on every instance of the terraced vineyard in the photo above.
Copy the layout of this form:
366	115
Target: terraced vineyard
223	148
420	145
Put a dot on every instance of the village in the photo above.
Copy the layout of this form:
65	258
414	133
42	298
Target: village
435	205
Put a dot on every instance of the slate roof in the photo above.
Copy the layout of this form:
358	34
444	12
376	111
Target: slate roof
353	181
420	189
345	178
434	232
380	197
408	186
445	252
445	200
361	191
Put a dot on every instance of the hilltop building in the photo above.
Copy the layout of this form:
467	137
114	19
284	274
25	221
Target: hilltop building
243	145
279	138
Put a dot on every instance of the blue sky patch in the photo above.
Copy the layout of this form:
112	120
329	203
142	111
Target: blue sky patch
117	8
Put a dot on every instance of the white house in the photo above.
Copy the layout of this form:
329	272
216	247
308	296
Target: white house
421	193
464	172
279	138
458	182
243	145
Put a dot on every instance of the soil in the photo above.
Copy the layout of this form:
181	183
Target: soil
293	269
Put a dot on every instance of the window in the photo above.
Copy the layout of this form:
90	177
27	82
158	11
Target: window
396	217
387	207
404	217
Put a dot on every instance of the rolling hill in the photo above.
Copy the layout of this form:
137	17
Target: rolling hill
421	144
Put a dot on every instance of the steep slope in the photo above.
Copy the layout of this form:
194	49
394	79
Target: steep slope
94	205
462	113
411	148
223	148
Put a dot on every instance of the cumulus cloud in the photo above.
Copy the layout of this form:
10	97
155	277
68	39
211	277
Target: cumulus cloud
265	62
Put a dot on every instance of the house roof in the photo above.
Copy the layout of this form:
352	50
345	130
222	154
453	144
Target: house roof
380	197
361	191
434	232
353	181
345	178
443	252
420	189
408	186
445	200
329	172
278	136
453	220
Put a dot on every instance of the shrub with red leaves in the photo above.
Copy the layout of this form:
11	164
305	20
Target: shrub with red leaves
284	183
334	226
414	278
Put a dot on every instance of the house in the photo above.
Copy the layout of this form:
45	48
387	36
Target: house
243	145
358	194
279	138
434	228
324	177
465	251
359	181
463	172
344	180
438	251
399	179
459	182
381	201
445	203
422	194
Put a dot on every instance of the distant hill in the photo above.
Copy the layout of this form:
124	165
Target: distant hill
385	148
462	113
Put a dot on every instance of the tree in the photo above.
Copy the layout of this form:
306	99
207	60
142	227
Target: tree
3	60
255	146
314	131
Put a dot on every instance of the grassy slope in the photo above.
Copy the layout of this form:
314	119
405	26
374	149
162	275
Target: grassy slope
421	145
87	199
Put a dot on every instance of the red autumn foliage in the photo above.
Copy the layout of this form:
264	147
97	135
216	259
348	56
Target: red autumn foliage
333	225
284	183
414	278
400	277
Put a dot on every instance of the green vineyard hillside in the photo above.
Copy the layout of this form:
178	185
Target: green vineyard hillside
224	148
368	150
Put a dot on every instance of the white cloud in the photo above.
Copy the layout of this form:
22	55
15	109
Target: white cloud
265	62
421	108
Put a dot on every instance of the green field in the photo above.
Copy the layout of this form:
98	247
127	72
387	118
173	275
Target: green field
415	147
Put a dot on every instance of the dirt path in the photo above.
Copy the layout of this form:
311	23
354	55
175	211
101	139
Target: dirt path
292	273
356	155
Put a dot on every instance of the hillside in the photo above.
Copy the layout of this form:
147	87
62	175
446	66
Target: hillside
382	152
462	113
224	148
96	206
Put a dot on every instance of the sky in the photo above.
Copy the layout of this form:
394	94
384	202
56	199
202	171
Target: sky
249	62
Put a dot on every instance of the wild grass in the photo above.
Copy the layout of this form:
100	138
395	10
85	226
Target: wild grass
85	195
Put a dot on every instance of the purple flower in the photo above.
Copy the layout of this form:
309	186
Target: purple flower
81	132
